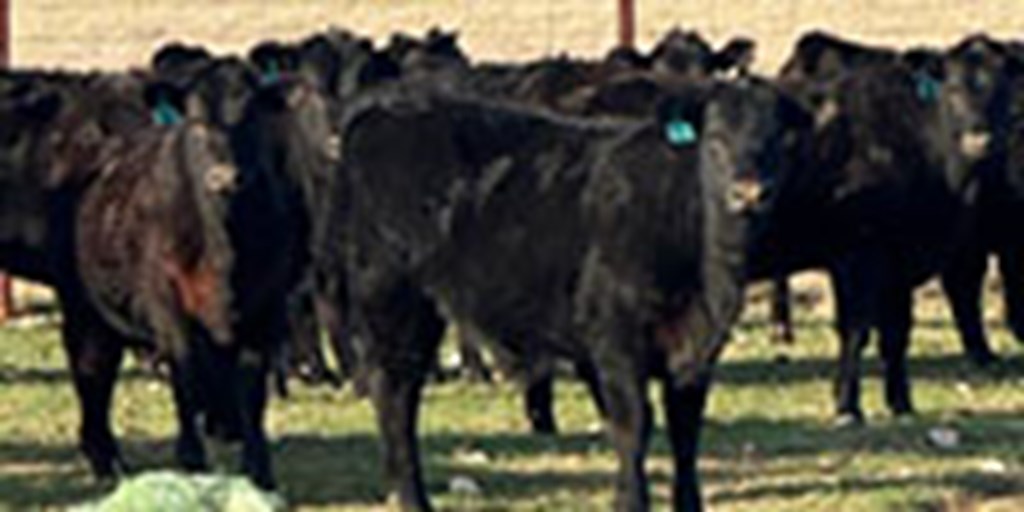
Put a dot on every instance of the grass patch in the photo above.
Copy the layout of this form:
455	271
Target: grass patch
770	445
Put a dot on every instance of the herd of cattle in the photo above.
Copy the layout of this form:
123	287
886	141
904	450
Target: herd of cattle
216	210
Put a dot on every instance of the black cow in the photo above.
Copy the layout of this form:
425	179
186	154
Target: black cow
121	217
281	139
223	87
617	245
987	77
885	202
820	59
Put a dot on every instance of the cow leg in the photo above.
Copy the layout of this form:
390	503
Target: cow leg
853	321
282	367
472	361
184	381
403	330
962	282
338	337
629	425
586	371
251	381
782	314
684	411
1011	267
895	319
539	404
94	354
307	353
216	369
540	397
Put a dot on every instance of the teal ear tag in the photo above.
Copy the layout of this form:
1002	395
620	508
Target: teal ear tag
680	133
928	88
166	115
272	74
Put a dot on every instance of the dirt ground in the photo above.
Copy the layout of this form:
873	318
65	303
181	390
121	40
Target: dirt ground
119	33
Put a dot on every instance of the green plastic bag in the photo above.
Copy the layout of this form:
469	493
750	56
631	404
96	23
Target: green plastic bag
167	491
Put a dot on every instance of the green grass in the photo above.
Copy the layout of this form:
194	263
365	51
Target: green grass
770	444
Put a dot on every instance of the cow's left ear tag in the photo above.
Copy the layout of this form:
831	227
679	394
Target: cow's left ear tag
680	133
928	88
271	74
164	114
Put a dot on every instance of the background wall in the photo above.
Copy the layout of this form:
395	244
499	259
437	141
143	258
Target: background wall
116	33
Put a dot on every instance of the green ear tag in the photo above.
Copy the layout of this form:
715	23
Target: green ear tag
272	74
928	88
166	115
680	133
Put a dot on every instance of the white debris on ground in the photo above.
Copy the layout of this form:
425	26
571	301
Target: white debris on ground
465	486
945	438
993	467
473	457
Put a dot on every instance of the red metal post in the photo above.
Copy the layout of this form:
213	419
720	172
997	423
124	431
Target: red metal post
627	23
5	32
6	297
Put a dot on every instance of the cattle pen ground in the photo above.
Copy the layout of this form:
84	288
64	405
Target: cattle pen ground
770	443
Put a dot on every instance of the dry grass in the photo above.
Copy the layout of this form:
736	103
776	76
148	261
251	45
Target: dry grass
117	33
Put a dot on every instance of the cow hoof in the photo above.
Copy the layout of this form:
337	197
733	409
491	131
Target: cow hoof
848	420
108	468
904	411
192	462
111	474
545	429
542	423
263	480
983	360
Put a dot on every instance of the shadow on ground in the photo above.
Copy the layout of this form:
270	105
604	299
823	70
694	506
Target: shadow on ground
343	469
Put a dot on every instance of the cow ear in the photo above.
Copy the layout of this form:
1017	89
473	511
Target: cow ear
737	55
680	120
167	103
273	59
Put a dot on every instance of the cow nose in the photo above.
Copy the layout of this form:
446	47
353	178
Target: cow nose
973	144
333	147
743	195
221	178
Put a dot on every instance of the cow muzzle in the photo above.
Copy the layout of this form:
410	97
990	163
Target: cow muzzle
221	179
743	195
974	144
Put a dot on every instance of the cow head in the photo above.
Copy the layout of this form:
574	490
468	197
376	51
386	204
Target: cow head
23	125
735	142
978	77
328	57
439	50
683	53
176	59
737	56
222	88
753	134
